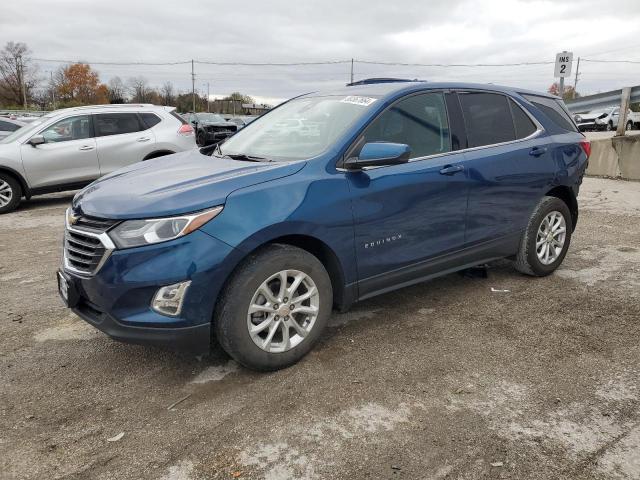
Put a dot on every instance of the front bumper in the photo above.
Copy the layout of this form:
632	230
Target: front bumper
117	299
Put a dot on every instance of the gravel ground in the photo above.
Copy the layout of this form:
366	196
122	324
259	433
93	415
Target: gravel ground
504	377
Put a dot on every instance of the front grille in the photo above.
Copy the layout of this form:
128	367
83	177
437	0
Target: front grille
95	224
83	253
84	244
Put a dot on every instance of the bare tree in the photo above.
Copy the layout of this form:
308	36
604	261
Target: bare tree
117	90
18	75
167	93
138	89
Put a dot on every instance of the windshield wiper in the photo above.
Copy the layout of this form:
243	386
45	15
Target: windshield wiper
248	158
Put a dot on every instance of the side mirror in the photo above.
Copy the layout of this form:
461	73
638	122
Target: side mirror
377	154
36	140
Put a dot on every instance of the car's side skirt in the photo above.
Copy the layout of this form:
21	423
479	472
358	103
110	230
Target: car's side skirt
438	266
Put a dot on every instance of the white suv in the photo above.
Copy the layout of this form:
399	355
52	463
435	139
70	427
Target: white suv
68	149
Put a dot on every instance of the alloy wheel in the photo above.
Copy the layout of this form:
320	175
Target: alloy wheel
283	310
551	236
6	193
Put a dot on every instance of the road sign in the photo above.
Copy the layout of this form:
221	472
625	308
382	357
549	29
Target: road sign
563	64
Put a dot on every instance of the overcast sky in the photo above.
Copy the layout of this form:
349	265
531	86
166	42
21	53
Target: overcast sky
434	31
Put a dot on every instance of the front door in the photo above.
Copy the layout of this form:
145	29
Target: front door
408	215
67	157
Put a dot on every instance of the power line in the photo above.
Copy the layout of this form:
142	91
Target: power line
609	61
401	64
50	60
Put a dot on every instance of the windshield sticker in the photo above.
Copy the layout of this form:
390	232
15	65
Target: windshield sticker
364	101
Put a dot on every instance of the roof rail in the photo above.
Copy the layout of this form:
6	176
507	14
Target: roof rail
371	81
115	105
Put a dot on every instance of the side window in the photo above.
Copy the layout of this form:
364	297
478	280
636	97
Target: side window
522	122
72	128
149	119
487	118
555	110
419	121
8	127
116	123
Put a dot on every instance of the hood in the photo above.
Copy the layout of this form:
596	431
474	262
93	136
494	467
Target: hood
589	116
217	124
173	185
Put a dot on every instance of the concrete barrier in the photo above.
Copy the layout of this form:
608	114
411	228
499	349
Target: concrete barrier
616	157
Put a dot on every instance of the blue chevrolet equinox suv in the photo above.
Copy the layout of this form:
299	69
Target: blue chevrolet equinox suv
328	199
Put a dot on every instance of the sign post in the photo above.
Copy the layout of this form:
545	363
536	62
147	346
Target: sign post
564	60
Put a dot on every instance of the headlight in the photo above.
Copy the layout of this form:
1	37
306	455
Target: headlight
578	118
134	233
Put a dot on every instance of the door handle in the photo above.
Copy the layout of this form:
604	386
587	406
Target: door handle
451	169
143	139
537	151
86	147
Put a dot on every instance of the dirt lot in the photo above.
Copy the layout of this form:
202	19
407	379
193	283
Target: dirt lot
450	379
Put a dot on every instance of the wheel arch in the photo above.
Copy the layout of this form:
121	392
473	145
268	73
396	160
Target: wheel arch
567	195
26	191
158	153
343	296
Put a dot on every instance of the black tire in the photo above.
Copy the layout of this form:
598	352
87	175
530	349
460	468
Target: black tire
230	318
609	127
629	126
200	139
11	185
527	260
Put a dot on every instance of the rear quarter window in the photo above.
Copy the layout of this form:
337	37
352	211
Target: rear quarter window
555	110
149	119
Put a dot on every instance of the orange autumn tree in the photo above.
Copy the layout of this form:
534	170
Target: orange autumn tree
78	84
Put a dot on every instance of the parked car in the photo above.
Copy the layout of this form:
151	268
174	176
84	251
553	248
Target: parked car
604	119
405	182
241	121
211	128
8	126
68	149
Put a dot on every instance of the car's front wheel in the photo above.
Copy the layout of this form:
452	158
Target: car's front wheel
546	240
10	193
274	308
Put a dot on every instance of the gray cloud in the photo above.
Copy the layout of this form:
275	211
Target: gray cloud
451	31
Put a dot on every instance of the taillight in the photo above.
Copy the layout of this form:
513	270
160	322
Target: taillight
586	146
185	130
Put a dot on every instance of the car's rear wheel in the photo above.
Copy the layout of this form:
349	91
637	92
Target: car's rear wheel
546	239
629	126
274	308
201	139
10	193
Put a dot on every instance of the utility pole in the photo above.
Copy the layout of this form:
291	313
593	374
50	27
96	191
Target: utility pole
193	86
207	96
575	82
351	71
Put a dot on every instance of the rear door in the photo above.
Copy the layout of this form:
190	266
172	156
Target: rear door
122	139
406	215
67	157
508	162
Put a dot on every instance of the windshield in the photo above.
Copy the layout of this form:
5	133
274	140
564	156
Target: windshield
209	117
299	129
29	127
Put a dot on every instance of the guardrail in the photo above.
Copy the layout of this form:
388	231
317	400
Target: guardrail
601	100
